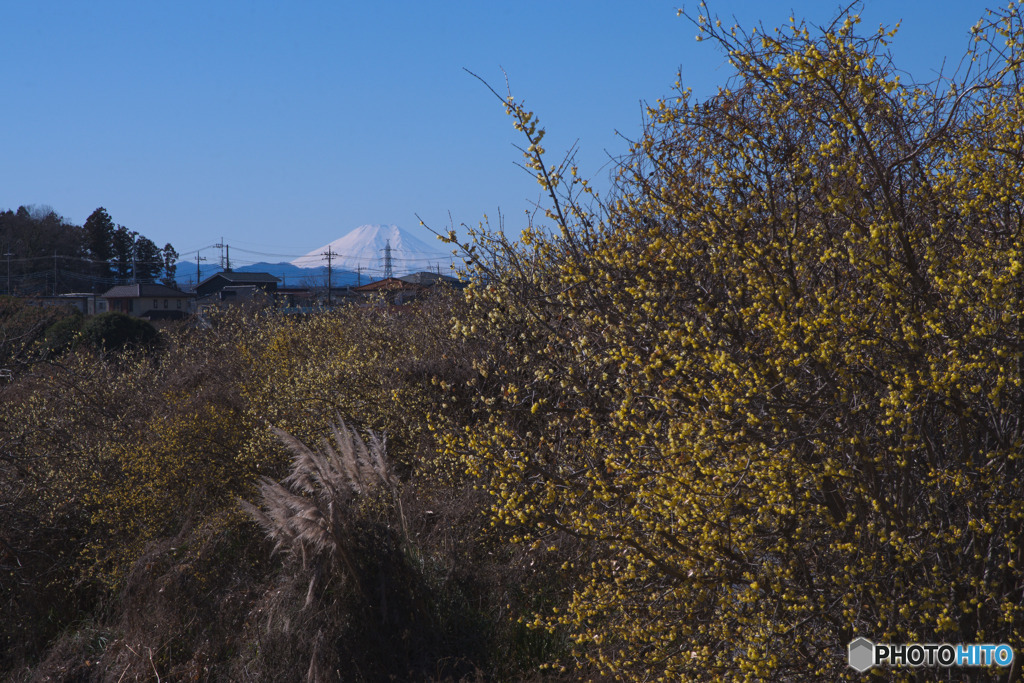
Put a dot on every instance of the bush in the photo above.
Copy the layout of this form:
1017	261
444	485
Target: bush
111	332
23	326
62	335
356	576
125	547
773	385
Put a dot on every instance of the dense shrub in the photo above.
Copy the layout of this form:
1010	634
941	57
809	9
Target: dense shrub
116	331
22	326
119	496
773	384
62	335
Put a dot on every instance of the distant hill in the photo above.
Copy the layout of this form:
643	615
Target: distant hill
291	276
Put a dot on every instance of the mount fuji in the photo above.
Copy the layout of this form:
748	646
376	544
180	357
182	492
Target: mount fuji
363	250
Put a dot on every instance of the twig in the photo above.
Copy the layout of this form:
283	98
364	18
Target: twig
151	663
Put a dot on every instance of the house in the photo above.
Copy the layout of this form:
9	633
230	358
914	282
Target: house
149	300
86	303
402	290
294	297
425	278
215	283
395	290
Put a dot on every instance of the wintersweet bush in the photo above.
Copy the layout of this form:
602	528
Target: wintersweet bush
119	480
772	382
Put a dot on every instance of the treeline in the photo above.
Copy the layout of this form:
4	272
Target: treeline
43	253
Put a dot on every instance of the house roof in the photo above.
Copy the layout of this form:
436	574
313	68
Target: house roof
242	278
390	283
425	277
144	290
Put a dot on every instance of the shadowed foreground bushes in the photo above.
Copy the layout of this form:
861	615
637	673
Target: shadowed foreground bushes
125	552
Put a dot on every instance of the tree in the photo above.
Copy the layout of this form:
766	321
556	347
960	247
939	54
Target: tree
148	259
170	259
32	236
123	248
99	229
773	384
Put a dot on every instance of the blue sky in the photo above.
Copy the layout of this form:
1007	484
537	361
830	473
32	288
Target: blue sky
281	126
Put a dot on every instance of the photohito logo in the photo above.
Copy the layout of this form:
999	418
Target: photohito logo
863	654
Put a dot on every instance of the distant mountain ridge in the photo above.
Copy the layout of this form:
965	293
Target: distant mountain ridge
357	258
291	276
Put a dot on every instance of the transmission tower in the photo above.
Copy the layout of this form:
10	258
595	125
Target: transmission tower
388	272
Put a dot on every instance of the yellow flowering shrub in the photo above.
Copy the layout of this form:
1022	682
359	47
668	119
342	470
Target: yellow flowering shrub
773	380
373	366
139	447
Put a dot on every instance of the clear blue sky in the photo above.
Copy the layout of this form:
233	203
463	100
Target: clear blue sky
283	125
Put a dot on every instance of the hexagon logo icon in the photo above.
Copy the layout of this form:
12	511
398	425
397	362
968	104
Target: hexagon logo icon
862	654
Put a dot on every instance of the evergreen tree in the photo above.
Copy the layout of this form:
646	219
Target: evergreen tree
149	260
123	247
99	236
170	256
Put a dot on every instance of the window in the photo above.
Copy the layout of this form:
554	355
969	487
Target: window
179	303
155	304
165	303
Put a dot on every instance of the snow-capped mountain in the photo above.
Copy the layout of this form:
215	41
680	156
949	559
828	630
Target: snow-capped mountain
364	249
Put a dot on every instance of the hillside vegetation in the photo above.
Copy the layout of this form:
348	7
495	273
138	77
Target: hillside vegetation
761	399
45	254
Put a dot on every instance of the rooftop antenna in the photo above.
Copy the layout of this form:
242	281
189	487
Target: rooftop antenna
388	272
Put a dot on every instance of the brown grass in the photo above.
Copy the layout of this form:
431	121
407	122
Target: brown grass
310	516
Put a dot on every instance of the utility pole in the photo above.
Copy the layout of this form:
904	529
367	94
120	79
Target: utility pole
330	257
359	276
387	260
55	272
227	257
199	273
220	245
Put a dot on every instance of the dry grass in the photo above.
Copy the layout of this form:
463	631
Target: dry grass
310	516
